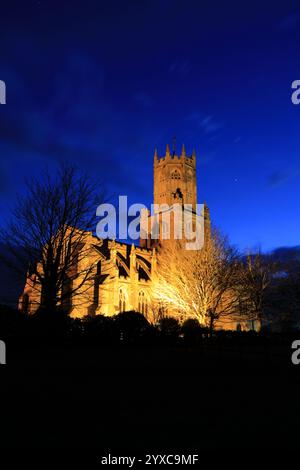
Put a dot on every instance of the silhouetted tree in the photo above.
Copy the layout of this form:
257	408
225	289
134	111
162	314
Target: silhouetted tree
282	302
48	231
255	276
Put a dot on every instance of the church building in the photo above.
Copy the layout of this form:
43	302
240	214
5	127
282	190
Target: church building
123	271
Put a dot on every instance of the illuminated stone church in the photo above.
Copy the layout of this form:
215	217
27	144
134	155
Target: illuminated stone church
124	272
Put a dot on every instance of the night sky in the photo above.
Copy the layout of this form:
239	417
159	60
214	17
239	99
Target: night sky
104	83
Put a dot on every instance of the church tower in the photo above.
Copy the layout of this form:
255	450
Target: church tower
174	183
175	178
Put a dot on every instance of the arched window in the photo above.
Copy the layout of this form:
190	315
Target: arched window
165	230
175	175
143	304
189	229
122	301
155	230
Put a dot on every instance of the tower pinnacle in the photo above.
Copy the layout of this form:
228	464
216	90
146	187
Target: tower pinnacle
168	153
183	153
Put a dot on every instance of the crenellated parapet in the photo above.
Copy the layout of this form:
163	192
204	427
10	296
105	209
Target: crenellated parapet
173	157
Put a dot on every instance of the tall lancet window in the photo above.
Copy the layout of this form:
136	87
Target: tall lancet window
143	304
122	301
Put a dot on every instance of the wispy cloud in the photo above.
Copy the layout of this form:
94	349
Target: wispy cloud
277	178
208	124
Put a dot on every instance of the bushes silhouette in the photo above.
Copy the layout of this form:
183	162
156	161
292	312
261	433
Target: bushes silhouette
127	329
98	329
46	324
169	329
12	322
192	331
132	327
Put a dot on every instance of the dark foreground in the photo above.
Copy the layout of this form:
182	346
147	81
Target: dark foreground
129	399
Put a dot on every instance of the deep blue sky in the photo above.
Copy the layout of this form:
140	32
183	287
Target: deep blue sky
104	83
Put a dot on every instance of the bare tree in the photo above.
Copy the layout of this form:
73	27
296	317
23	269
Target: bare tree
47	235
198	284
255	277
